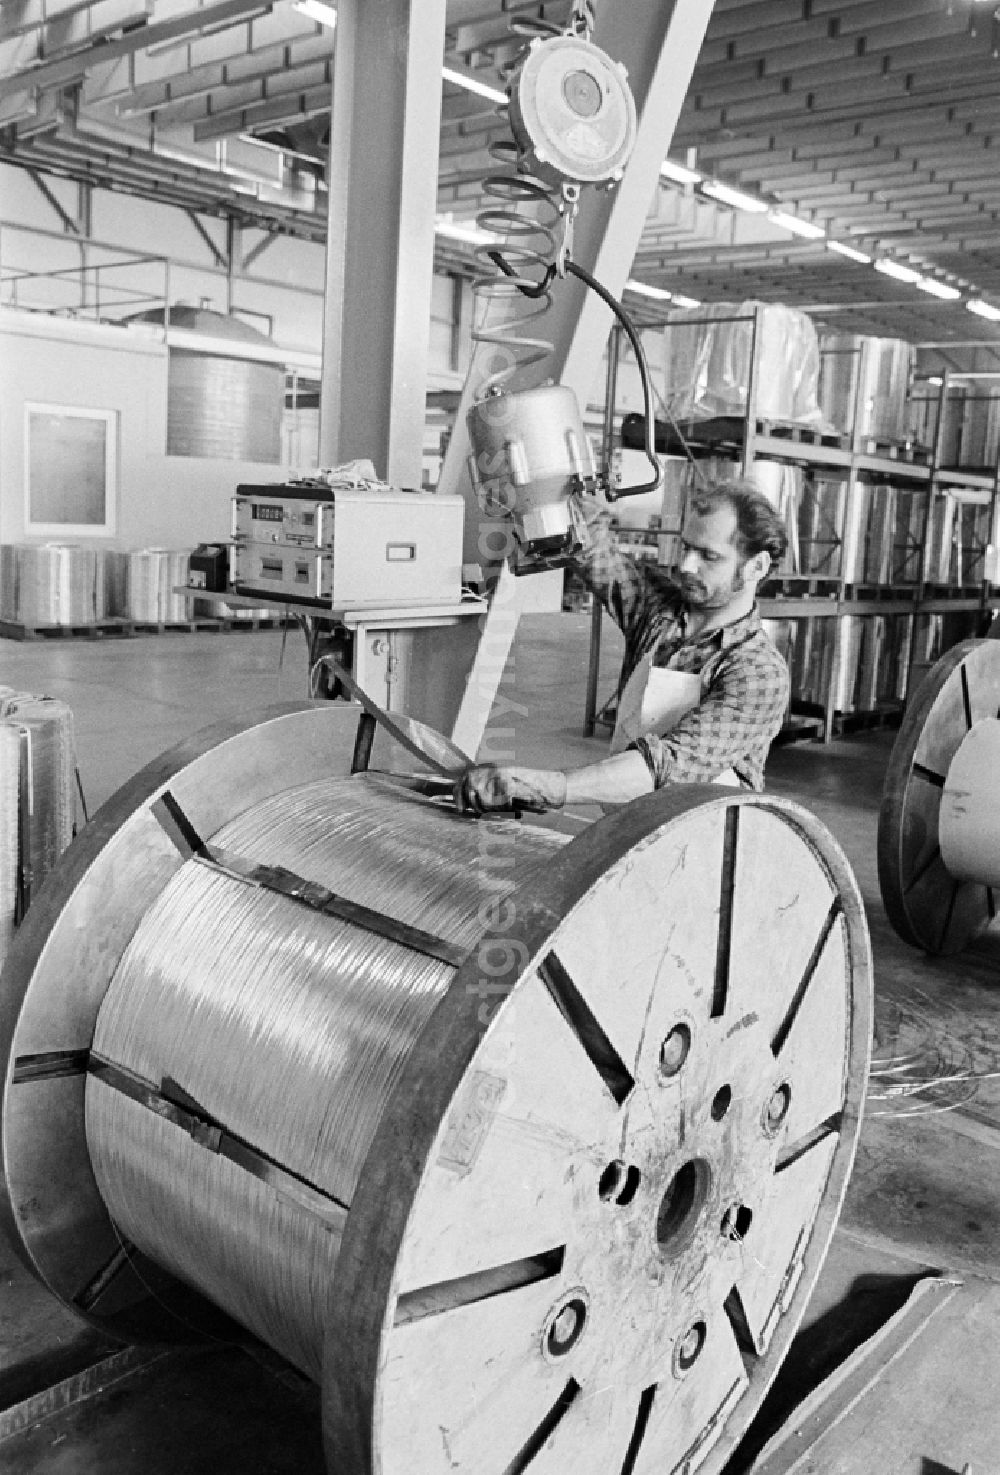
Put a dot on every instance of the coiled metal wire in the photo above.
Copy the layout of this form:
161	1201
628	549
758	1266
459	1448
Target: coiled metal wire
287	1027
51	584
151	576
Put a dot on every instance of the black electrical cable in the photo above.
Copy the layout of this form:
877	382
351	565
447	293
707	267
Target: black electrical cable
538	289
647	397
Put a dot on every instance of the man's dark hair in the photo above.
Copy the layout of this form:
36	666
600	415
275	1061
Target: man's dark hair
759	529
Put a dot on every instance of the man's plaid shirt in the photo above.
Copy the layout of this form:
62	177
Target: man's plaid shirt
744	681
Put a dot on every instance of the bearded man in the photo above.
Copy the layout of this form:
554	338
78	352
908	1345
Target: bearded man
703	690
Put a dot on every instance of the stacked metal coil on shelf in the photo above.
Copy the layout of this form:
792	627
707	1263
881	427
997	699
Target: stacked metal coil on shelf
871	375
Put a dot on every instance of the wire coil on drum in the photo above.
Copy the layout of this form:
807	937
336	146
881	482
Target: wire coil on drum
245	998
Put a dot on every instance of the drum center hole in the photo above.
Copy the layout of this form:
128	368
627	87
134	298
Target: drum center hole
682	1204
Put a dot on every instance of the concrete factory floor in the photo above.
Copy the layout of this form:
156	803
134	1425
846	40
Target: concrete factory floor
925	1193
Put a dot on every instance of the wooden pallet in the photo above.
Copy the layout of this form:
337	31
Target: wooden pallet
128	629
98	630
895	450
797	586
953	591
848	722
210	624
879	593
807	435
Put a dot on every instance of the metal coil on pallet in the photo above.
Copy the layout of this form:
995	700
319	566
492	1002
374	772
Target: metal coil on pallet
528	1150
151	576
51	584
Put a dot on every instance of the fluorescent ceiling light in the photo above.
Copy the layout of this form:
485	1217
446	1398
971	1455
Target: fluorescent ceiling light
899	273
984	310
679	173
680	301
463	230
938	289
316	10
848	251
732	197
796	226
643	290
936	380
472	84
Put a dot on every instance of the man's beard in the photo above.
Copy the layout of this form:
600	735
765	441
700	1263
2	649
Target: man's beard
697	594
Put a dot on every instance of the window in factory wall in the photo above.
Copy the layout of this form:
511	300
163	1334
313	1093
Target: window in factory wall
71	470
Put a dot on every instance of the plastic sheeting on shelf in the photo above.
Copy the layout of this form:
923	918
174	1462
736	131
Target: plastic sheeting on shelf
707	356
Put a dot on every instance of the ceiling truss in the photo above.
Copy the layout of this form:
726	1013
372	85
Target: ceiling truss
878	120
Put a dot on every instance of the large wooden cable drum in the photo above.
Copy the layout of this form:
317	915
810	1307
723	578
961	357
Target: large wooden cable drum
939	823
528	1150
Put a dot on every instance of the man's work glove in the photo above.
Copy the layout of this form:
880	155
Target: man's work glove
492	787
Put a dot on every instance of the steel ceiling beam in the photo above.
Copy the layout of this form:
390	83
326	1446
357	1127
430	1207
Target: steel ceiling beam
74	65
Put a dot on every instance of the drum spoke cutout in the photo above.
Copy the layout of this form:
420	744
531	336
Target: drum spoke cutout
928	774
639	1432
548	1426
720	989
743	1336
48	1064
785	1026
587	1028
796	1150
175	823
916	879
966	698
95	1288
466	1290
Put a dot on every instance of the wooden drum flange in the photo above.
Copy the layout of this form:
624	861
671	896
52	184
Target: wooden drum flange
602	1180
927	904
56	978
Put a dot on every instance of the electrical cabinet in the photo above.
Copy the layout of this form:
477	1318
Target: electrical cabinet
347	546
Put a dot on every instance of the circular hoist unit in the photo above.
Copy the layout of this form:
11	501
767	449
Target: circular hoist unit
939	824
573	119
528	1150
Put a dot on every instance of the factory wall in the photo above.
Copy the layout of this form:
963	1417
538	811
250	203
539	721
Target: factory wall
136	255
167	501
150	252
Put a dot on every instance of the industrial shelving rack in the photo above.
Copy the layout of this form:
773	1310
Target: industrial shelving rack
931	612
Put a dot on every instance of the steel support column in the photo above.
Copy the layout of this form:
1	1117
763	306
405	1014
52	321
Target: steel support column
380	245
659	44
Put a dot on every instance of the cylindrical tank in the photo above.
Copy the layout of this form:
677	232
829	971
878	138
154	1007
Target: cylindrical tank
224	405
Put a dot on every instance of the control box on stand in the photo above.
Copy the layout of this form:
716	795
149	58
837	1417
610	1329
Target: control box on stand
346	546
